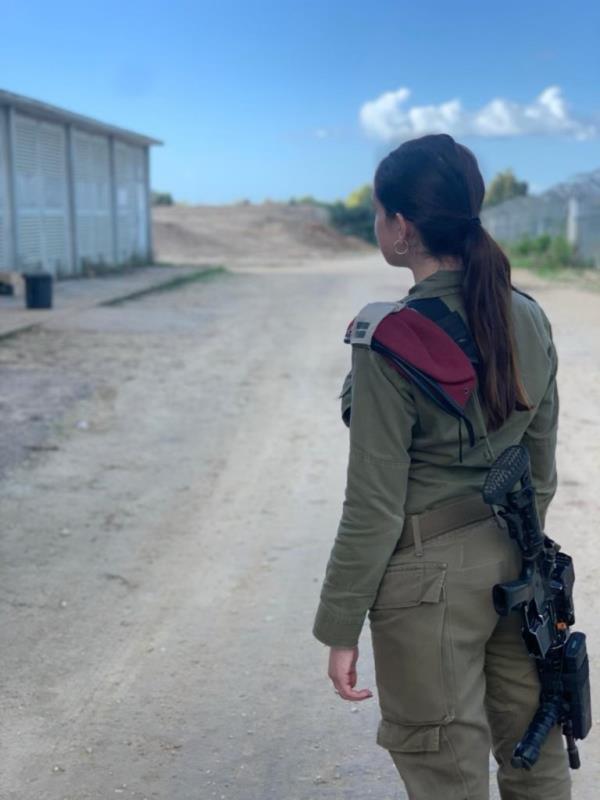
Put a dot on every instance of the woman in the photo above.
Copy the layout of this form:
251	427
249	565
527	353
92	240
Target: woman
416	548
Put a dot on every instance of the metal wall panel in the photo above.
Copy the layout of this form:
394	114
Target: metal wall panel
141	201
4	244
131	202
41	195
91	167
28	192
53	168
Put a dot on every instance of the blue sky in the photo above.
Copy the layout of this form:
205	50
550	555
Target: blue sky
272	99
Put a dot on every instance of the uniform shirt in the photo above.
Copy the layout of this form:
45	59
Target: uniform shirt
404	456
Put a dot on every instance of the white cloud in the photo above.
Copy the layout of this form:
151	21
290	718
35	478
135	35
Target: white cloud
388	119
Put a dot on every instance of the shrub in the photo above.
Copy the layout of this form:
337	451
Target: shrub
563	252
354	217
353	220
307	200
161	198
544	253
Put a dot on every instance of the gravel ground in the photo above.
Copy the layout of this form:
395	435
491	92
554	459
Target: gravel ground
167	512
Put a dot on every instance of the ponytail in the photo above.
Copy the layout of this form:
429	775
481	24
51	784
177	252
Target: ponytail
487	296
436	183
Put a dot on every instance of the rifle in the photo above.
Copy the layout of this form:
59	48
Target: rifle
543	594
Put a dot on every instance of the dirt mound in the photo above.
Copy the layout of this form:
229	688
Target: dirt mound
269	231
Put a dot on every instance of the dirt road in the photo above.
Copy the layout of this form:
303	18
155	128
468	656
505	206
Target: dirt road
161	566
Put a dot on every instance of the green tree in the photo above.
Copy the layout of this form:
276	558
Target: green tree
504	186
161	198
360	197
353	220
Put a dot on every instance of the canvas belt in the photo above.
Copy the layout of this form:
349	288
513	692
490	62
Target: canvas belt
429	524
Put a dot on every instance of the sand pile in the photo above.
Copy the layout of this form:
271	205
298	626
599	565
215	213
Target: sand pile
270	231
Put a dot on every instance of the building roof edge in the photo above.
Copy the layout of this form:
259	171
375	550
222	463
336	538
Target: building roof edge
40	109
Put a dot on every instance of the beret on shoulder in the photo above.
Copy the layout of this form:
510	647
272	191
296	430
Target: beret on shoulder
416	346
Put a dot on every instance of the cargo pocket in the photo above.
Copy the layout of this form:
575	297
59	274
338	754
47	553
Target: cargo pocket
408	738
412	649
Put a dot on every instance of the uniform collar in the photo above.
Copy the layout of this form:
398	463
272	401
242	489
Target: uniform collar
442	282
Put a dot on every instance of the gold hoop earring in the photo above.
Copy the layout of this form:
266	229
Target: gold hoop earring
400	252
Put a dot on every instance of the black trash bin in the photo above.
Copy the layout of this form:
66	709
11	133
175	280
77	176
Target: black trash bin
38	289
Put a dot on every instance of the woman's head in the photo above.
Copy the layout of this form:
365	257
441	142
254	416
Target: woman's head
427	193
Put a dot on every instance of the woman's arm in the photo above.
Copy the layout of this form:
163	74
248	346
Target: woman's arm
540	438
381	422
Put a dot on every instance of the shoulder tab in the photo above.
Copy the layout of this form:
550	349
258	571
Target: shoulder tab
524	294
361	329
431	307
450	321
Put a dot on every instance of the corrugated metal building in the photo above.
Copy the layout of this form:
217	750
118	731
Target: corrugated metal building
74	192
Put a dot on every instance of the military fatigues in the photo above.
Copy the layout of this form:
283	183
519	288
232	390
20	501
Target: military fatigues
453	678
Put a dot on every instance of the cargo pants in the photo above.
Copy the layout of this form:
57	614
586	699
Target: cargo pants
454	679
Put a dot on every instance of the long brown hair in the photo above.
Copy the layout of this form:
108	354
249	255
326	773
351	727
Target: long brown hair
436	184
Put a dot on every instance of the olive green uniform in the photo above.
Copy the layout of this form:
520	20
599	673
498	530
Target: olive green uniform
453	678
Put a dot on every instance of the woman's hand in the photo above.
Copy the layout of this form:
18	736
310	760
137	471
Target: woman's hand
342	671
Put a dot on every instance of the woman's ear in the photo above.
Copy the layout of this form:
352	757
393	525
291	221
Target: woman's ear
401	225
